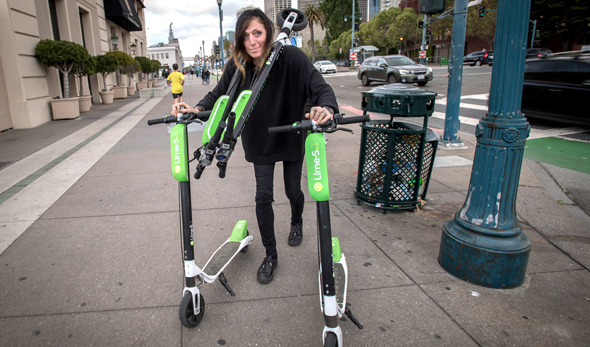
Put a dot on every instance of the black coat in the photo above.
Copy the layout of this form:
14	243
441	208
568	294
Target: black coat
292	81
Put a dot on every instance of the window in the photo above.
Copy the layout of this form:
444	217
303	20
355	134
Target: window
157	55
166	55
53	16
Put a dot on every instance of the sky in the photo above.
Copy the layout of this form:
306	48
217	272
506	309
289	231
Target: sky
192	22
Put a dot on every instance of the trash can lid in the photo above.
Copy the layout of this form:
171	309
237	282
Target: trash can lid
399	90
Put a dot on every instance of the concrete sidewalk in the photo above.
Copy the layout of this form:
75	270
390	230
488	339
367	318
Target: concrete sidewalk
90	248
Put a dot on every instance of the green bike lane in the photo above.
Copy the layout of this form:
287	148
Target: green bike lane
568	154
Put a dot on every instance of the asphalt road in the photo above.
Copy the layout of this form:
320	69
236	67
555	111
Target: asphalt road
474	93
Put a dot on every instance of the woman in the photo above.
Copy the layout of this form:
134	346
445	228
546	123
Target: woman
293	80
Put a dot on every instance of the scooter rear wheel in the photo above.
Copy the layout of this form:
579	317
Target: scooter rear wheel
185	311
331	340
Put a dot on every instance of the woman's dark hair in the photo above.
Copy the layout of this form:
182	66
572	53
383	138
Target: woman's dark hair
240	53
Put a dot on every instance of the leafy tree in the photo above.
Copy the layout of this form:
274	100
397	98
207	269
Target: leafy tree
314	17
335	10
382	31
483	28
105	64
406	25
155	65
125	61
84	67
561	18
145	64
62	55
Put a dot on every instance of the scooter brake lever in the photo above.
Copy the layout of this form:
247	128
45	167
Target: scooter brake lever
345	129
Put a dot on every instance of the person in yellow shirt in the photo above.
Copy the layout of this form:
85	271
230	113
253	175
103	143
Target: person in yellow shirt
177	81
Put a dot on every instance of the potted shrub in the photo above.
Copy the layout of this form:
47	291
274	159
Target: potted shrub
146	68
106	64
62	55
85	67
155	66
130	70
124	60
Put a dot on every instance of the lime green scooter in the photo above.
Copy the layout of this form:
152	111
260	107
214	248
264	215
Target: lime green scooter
333	272
192	306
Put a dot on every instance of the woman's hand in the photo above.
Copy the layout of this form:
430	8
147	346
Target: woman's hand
319	114
176	109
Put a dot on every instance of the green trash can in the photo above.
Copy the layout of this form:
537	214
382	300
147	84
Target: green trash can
444	61
396	158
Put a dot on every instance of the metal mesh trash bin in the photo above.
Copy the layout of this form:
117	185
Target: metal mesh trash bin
396	158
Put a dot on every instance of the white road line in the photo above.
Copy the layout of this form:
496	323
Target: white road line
464	105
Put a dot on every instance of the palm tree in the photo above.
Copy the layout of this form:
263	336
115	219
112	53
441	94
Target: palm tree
314	16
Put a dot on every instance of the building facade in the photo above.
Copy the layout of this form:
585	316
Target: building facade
272	7
167	54
26	86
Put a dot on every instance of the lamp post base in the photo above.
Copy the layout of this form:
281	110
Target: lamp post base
488	261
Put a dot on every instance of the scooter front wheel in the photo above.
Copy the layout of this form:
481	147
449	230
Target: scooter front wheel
331	340
185	311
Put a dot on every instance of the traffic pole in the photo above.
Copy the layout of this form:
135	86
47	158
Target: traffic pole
452	123
484	243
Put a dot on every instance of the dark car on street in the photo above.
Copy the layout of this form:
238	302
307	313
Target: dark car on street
393	69
537	52
557	88
478	58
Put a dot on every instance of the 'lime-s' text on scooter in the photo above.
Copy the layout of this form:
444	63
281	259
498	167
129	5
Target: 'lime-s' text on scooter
192	306
333	272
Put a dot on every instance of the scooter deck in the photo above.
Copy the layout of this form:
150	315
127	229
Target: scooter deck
339	282
221	257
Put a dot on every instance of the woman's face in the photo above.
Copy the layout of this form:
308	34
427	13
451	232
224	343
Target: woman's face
254	39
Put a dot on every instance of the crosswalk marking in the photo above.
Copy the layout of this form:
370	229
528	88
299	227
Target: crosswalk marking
464	105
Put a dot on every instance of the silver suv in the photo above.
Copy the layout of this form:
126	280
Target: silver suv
393	69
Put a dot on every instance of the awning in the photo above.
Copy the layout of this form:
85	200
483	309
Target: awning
366	49
123	14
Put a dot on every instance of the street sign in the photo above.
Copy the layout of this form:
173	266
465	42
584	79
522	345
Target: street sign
422	54
353	56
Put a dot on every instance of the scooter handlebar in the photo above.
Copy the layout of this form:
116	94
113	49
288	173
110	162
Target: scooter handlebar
357	119
168	119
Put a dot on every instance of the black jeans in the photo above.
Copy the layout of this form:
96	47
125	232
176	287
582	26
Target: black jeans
264	200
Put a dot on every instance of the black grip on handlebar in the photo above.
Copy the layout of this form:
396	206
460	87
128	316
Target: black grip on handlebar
281	129
204	115
168	119
358	119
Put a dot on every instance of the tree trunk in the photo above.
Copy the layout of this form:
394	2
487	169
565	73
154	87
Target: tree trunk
312	43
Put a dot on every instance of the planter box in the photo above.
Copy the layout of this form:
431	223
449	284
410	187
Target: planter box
141	85
85	103
120	92
155	83
107	97
150	84
65	108
130	90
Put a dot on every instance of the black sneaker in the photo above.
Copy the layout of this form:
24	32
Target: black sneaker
296	235
266	270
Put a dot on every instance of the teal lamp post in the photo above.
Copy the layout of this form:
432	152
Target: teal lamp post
484	243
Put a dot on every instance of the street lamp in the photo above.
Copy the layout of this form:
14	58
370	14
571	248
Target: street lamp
203	55
114	41
352	41
220	31
133	46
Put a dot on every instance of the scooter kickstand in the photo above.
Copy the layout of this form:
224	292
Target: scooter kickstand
223	281
352	318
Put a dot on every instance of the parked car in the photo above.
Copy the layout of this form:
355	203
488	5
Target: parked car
477	58
556	88
393	69
490	58
537	52
325	66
